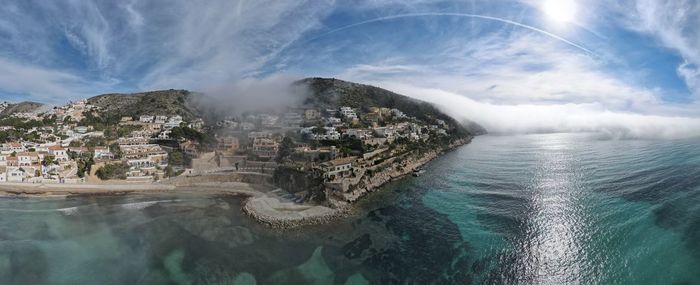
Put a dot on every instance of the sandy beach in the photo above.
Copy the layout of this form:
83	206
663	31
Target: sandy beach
262	203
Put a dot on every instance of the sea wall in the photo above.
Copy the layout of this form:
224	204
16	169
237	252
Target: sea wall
287	215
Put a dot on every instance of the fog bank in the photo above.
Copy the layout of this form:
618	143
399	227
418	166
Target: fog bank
524	118
273	93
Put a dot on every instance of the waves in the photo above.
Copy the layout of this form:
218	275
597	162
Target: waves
145	204
76	210
70	211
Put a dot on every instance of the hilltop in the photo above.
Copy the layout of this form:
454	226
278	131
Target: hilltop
332	93
162	102
21	107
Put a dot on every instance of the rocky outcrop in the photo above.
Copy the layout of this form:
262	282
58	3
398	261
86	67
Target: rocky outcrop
274	213
390	172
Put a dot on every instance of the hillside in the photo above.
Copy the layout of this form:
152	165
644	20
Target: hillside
332	93
162	102
22	107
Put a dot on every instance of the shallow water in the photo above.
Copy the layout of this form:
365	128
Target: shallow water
536	209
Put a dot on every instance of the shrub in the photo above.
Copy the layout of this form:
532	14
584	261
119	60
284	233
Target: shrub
112	171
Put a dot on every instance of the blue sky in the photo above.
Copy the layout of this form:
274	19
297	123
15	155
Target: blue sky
552	64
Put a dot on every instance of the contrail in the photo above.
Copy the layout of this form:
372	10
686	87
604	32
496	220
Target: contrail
551	35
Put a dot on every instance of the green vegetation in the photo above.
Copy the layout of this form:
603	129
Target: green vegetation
92	142
170	172
112	171
163	102
206	140
19	123
347	145
49	160
22	107
178	157
116	150
18	134
294	180
285	149
84	161
98	122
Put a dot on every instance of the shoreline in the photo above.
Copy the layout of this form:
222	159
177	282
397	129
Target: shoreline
261	202
255	206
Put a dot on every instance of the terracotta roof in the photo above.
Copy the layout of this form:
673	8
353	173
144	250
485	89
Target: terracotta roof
55	147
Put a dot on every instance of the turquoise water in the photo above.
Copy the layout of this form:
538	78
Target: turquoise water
531	209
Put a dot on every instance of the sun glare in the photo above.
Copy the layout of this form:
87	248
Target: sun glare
560	10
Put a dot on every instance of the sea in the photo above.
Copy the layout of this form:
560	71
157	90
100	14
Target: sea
520	209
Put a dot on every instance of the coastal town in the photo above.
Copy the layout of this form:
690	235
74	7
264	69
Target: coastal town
342	148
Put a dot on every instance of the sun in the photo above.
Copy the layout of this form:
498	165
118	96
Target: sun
561	11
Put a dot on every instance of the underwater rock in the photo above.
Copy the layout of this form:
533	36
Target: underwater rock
313	271
355	248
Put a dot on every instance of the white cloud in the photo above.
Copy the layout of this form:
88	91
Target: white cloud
43	84
675	23
520	69
523	83
227	40
530	118
150	45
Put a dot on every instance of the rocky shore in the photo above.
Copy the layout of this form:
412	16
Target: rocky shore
287	215
391	173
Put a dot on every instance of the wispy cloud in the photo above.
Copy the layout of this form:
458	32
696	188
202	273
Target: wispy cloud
42	84
145	45
676	25
517	70
500	58
522	83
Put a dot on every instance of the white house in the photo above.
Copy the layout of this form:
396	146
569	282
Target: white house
161	119
58	152
164	135
102	152
24	159
357	133
146	119
15	174
173	122
338	168
12	147
348	112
